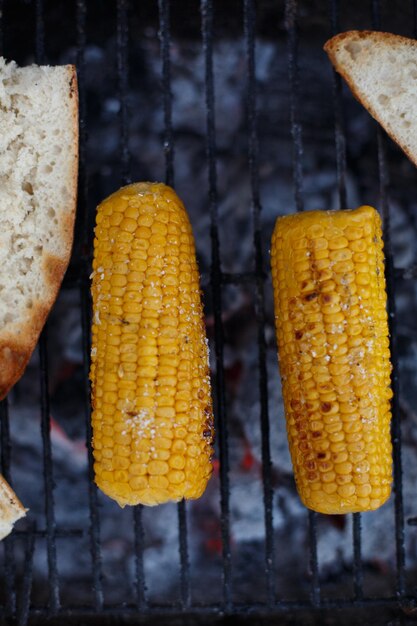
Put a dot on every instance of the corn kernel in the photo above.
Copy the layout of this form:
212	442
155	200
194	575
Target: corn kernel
176	477
346	491
158	482
138	483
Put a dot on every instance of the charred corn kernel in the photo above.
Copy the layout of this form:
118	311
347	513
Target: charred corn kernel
152	412
339	439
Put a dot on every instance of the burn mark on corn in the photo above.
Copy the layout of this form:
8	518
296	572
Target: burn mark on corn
324	466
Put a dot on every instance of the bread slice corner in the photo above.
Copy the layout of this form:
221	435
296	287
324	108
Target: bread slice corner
11	509
38	191
381	70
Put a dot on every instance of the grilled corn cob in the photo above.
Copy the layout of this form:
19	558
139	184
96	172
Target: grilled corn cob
332	333
152	413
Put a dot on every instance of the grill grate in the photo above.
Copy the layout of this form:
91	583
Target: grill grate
17	587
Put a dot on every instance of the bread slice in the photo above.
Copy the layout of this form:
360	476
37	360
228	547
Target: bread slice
38	185
11	509
381	70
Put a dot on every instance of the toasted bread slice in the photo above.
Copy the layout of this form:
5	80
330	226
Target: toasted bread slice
38	184
11	509
381	70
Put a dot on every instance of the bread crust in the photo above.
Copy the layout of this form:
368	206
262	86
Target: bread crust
332	47
11	509
18	343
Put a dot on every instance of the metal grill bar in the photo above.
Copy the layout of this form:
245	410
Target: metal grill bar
94	529
60	533
126	178
339	126
40	32
240	609
53	578
291	7
24	604
222	429
415	18
253	153
357	557
396	424
9	559
82	241
242	278
169	150
376	14
184	560
1	26
5	440
165	39
139	550
226	278
95	546
315	593
122	78
396	429
340	143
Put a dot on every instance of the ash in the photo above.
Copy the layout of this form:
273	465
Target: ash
67	387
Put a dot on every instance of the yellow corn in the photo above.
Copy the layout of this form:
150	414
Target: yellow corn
152	413
332	333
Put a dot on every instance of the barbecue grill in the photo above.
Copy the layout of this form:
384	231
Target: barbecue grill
235	104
